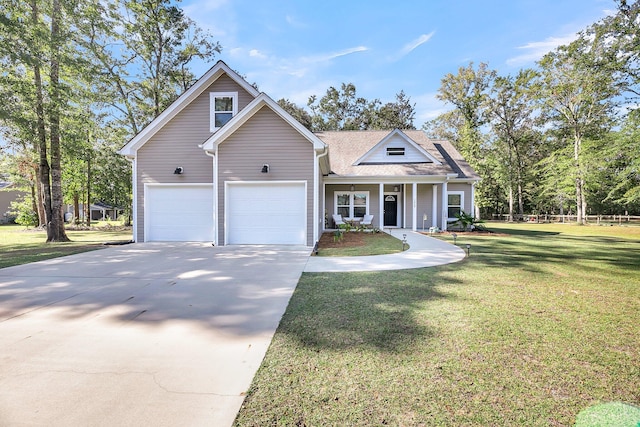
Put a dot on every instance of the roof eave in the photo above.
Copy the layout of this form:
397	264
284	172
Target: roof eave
181	102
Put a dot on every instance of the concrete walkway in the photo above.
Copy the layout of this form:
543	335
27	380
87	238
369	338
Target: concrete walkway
424	251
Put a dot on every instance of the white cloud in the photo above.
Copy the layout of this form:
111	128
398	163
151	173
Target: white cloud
536	50
329	56
412	45
294	22
255	53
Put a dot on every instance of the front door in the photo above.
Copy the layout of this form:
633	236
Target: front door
390	210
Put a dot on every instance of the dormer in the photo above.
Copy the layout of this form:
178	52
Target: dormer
396	148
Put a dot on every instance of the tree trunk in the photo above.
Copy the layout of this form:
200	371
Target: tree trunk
580	197
43	167
38	206
88	204
55	230
76	208
510	203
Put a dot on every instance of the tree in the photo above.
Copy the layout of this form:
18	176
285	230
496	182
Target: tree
467	91
577	98
142	52
37	45
298	113
396	115
623	155
342	109
511	110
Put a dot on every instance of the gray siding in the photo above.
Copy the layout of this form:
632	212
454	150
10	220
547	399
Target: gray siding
266	138
374	199
176	144
466	188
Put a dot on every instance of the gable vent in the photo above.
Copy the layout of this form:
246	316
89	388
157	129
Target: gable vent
395	151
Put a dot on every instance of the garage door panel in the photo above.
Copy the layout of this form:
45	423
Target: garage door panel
180	213
271	213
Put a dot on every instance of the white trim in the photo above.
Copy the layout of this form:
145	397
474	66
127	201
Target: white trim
212	107
351	201
228	184
247	112
381	206
451	193
409	141
434	206
414	190
134	205
219	69
445	207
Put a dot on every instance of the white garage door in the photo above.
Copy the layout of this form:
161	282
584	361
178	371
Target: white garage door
179	213
266	213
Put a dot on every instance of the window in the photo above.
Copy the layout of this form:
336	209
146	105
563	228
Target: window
395	151
351	204
224	105
455	201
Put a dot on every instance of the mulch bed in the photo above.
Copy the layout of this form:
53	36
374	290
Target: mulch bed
349	240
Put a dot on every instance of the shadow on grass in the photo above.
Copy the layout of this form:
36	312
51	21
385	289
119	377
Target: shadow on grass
528	250
368	310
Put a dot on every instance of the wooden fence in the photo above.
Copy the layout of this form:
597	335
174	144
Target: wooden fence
590	219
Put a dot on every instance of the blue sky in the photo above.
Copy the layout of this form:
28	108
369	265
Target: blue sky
296	48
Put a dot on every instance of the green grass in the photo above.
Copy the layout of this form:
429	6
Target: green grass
532	328
21	246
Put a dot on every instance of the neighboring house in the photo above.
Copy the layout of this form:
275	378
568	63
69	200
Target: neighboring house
99	211
226	164
7	195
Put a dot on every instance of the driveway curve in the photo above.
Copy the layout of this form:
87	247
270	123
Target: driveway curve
156	334
424	251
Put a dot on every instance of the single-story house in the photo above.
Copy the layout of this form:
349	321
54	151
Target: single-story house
226	164
100	211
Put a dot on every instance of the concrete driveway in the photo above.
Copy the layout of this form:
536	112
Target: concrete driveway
145	334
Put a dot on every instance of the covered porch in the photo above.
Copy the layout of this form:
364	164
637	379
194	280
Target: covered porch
416	204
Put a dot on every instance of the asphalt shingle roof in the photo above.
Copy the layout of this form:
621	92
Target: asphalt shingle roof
346	147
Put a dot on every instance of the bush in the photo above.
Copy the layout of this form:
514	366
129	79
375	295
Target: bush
23	211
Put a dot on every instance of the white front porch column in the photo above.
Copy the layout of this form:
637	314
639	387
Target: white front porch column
381	220
445	207
475	213
434	206
414	193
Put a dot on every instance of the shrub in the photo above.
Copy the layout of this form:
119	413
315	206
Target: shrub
23	211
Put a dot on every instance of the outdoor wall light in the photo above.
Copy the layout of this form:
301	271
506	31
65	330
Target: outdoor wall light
179	170
396	188
265	168
353	187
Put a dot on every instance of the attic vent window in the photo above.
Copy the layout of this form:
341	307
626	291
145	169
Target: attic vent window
224	105
395	151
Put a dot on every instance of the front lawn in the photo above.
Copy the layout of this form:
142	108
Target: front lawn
539	323
21	246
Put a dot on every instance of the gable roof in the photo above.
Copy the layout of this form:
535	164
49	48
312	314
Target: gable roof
252	108
387	140
247	112
348	147
214	73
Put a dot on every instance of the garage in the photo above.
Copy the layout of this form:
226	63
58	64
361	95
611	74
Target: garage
266	213
178	213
